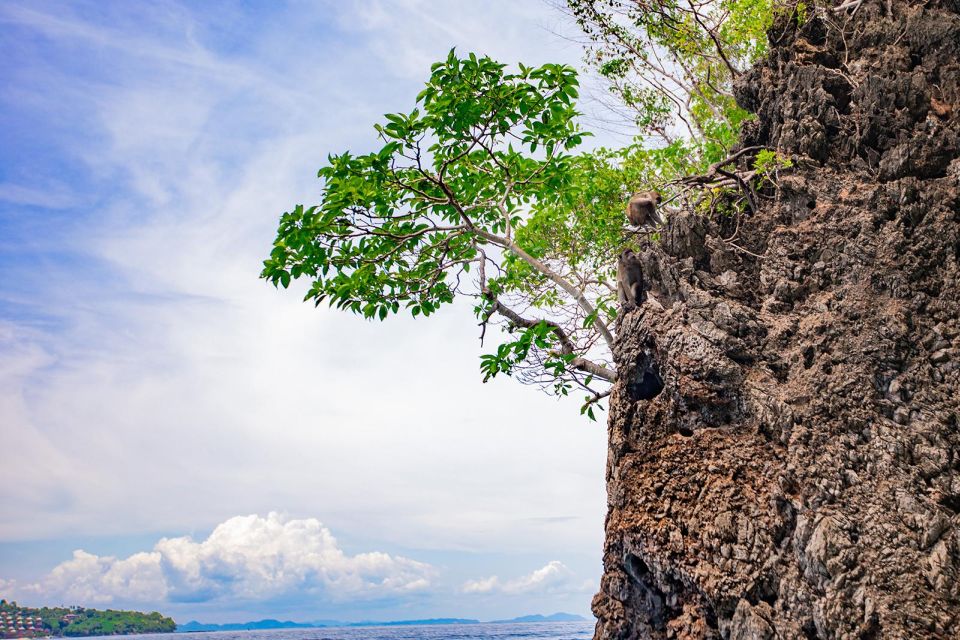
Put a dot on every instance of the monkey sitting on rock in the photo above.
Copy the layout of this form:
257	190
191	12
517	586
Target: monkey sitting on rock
642	210
630	285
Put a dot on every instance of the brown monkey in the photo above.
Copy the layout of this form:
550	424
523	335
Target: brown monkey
629	280
642	209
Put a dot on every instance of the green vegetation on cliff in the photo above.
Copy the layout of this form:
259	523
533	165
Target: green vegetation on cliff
482	191
17	621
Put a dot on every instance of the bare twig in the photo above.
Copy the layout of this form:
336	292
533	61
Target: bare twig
849	4
749	253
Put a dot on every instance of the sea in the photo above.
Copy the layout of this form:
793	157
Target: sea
502	631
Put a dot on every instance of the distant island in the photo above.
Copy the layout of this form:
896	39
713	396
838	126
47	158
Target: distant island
194	626
28	622
553	617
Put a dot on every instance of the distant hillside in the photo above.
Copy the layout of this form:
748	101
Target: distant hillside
405	623
194	626
28	622
554	617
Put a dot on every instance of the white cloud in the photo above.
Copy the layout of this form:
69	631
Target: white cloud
92	579
245	558
483	585
554	574
554	577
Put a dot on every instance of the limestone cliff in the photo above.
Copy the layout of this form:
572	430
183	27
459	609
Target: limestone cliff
784	455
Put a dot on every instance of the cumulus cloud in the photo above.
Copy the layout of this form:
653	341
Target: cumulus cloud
246	557
483	585
551	578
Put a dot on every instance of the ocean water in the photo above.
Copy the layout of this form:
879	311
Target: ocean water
529	631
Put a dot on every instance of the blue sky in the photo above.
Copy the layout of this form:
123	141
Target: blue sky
179	436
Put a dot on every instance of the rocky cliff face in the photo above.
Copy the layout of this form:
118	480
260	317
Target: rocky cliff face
785	441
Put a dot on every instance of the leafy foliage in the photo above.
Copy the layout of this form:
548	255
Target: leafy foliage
479	190
462	198
671	64
768	164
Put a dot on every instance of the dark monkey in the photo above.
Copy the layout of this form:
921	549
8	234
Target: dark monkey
629	279
642	209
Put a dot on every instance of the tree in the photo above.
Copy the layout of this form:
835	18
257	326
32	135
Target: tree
457	202
477	192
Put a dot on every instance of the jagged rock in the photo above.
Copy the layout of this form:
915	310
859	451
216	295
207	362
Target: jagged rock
785	441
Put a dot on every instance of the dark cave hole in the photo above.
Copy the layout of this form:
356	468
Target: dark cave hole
811	204
951	502
651	598
635	566
787	513
686	432
809	630
646	383
808	354
840	90
763	591
872	629
816	32
779	369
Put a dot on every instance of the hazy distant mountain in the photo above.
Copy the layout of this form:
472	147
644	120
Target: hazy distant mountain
194	626
554	617
401	623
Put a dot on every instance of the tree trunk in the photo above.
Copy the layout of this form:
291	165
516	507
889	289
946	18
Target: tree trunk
784	455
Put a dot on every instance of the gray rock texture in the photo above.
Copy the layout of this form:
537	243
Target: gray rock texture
784	440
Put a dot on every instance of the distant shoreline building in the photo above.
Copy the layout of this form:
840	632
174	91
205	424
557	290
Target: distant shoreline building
21	624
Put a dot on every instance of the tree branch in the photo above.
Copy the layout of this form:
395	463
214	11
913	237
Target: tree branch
567	347
575	293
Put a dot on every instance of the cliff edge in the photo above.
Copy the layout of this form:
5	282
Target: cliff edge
784	442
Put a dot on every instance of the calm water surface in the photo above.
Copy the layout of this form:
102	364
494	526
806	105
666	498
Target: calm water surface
530	631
